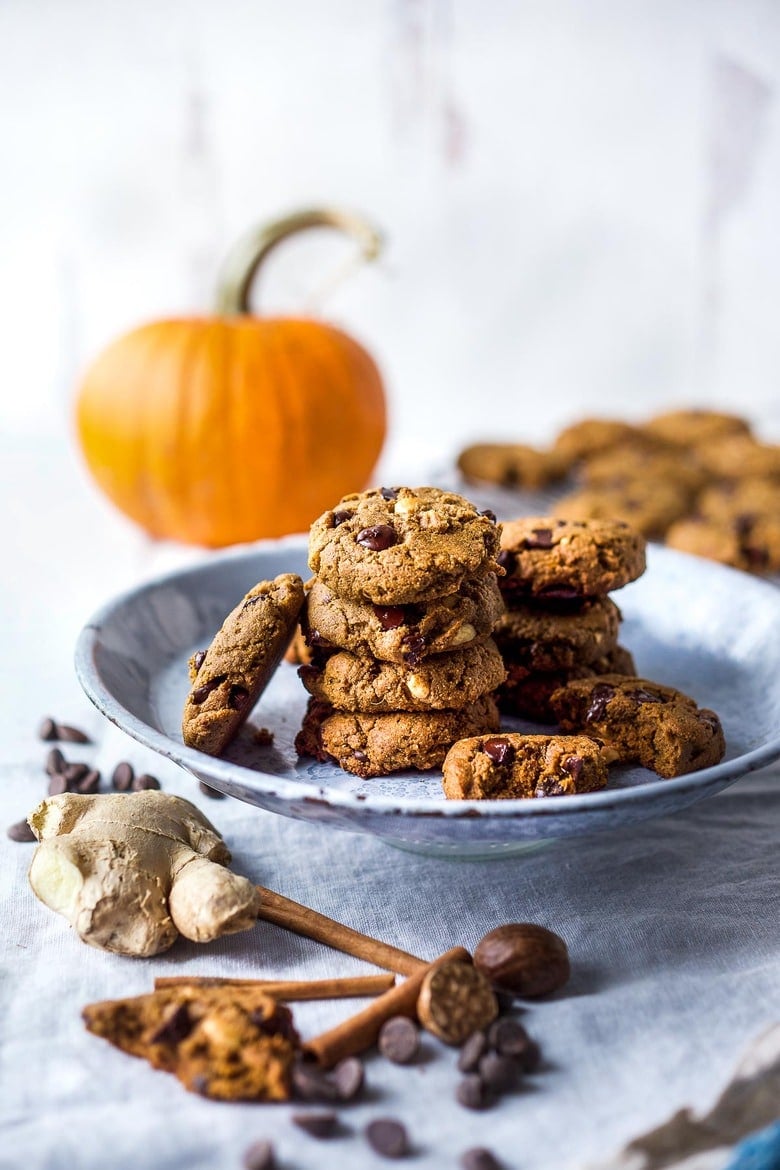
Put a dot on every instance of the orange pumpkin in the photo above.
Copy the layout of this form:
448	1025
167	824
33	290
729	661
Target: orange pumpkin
222	429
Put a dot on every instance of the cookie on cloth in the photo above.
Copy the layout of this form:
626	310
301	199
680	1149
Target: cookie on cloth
511	766
229	677
555	559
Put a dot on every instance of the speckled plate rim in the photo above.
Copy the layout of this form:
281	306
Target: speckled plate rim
294	791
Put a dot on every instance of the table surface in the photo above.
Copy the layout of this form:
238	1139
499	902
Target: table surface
672	925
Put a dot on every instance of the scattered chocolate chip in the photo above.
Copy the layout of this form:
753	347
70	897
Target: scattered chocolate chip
540	538
508	1037
506	1001
122	777
472	1092
57	784
499	750
198	659
200	694
498	1072
348	1077
74	774
479	1158
316	1125
573	765
213	793
340	517
490	515
472	1052
378	537
387	1137
389	493
90	783
390	617
260	1156
263	737
530	1058
599	698
72	734
310	1083
144	782
21	831
175	1028
55	762
399	1040
238	697
48	730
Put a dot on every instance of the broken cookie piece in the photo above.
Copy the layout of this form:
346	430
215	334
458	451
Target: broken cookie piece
512	766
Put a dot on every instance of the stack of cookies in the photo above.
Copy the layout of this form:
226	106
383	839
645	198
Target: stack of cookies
398	622
560	622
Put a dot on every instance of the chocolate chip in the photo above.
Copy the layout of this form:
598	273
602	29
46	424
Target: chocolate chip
55	762
499	750
507	560
175	1028
643	696
599	698
361	757
278	1023
390	617
530	1058
144	782
238	697
559	593
573	765
508	1037
90	783
213	793
122	777
491	516
260	1156
389	493
414	646
57	784
549	786
310	1083
472	1052
200	694
498	1072
316	1125
510	477
21	831
540	538
378	537
340	517
399	1040
74	774
48	730
387	1137
479	1158
72	734
471	1092
198	659
348	1077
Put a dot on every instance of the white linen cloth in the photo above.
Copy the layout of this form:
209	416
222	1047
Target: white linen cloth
672	927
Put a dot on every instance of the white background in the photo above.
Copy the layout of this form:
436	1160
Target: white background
542	171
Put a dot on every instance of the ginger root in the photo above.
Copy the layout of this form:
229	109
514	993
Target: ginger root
132	872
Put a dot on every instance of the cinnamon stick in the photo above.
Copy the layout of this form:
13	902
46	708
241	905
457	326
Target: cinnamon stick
360	1031
348	987
301	920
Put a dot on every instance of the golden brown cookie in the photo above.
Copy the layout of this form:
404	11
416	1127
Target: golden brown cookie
730	499
694	428
375	745
591	436
739	457
556	559
231	1043
526	694
230	676
621	468
510	766
649	506
512	465
749	542
354	683
408	633
542	639
642	722
398	546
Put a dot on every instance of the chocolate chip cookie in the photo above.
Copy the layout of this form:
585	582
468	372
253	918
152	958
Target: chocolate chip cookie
399	546
513	465
740	456
693	428
354	683
508	766
642	722
526	694
748	542
375	745
591	436
549	639
648	506
621	467
229	677
558	560
730	499
408	633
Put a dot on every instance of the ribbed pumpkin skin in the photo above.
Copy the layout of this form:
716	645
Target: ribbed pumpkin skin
215	431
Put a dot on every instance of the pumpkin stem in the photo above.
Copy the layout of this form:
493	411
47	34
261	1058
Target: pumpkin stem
248	253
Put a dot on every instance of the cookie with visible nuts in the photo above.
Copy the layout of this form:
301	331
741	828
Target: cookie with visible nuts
455	1001
555	559
408	633
230	676
352	683
374	745
398	546
511	766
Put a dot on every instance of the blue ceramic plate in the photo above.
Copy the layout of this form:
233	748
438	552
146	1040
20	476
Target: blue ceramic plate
711	631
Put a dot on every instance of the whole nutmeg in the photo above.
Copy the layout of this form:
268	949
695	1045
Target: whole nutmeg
523	958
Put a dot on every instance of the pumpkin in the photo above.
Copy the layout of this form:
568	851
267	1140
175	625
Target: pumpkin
216	430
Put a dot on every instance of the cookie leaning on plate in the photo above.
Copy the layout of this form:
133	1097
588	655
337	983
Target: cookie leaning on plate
229	677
